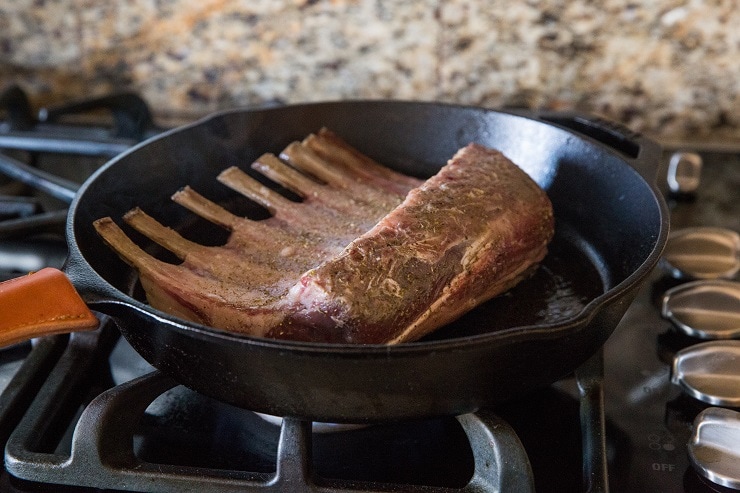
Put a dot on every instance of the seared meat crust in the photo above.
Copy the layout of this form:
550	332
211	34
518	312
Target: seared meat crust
368	256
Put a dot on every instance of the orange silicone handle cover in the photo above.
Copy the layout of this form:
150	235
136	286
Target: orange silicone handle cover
41	303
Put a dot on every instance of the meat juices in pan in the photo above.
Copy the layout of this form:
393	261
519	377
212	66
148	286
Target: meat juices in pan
368	256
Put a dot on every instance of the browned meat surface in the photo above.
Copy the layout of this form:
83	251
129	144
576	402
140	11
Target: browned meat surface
368	256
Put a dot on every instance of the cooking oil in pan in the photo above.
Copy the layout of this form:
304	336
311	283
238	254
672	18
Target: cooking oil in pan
563	284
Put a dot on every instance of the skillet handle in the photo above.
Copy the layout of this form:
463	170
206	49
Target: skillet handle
41	303
642	153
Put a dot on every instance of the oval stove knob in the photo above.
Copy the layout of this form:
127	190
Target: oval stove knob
710	372
704	309
684	173
702	253
714	446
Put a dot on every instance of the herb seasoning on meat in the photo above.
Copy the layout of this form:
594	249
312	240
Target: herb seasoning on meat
368	256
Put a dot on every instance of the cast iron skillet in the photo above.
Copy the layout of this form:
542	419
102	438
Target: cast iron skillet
611	227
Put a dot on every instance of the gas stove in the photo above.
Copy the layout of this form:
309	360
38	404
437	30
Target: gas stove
84	412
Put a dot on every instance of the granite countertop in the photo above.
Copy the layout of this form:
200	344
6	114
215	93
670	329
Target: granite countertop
666	68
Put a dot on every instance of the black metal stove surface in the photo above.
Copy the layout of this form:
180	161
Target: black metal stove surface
650	417
168	431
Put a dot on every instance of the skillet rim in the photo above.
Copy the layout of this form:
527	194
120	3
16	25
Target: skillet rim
104	293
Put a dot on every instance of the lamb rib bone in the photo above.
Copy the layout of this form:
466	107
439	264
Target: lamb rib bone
368	256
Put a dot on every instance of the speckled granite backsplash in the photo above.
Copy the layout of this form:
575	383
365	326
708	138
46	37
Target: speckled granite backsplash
668	68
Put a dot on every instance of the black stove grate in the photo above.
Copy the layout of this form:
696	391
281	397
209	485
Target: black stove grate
108	442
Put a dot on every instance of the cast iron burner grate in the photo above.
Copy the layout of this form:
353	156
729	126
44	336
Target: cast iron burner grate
79	434
34	202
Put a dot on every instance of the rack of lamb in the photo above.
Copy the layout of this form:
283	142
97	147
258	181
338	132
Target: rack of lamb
367	256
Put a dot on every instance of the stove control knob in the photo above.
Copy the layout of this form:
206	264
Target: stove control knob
704	309
714	446
710	372
702	253
684	173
